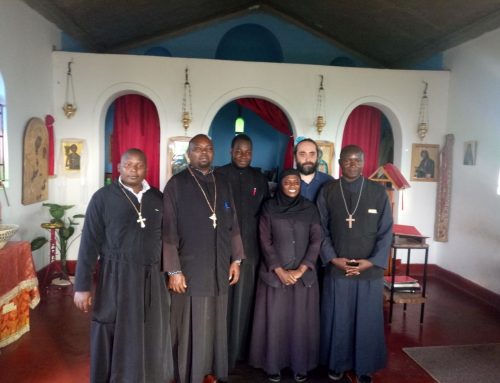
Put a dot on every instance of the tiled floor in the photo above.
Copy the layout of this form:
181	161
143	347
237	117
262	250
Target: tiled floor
56	348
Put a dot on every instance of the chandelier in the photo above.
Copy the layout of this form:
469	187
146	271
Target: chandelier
423	115
320	120
69	106
187	106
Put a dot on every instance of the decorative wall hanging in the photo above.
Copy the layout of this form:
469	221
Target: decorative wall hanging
187	105
443	195
424	162
49	123
470	151
325	156
72	153
35	162
320	121
423	115
69	106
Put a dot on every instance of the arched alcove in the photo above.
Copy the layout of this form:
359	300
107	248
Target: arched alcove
132	121
368	128
270	145
389	121
249	42
101	108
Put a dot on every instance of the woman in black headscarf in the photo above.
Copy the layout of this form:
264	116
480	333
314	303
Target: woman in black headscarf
286	318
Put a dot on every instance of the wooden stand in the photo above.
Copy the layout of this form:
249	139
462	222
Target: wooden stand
408	242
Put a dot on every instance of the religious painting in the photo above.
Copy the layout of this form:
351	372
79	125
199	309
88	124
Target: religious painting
177	159
35	162
470	150
424	162
72	153
325	156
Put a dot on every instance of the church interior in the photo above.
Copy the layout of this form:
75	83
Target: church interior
401	79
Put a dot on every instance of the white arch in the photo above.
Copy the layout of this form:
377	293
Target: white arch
234	94
391	113
389	110
106	98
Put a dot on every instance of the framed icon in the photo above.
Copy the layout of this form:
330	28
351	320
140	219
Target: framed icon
72	154
424	162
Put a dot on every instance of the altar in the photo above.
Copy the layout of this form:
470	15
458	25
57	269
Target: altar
18	290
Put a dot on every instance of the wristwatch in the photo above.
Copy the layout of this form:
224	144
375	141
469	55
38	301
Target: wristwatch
238	262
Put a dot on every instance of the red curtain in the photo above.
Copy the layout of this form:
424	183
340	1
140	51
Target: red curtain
363	129
136	125
275	117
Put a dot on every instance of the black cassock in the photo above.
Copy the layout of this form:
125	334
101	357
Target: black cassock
203	253
130	334
250	189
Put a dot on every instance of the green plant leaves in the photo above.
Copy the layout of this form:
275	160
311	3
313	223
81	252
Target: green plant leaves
66	232
38	242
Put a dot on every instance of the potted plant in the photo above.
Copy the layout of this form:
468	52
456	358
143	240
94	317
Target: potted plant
65	228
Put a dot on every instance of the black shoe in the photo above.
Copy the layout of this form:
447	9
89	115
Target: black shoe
300	378
334	375
364	379
274	377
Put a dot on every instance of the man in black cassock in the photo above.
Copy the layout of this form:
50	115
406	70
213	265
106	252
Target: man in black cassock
357	225
249	188
202	252
130	334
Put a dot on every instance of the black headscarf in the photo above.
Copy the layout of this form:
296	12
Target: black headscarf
298	207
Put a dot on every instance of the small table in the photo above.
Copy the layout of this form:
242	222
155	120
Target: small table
18	290
407	298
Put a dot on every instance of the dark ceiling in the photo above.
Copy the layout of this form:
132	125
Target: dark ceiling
386	33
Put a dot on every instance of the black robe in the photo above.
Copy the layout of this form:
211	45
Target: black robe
130	334
203	253
250	189
286	324
352	320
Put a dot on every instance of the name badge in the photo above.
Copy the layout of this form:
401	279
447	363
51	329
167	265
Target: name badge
372	211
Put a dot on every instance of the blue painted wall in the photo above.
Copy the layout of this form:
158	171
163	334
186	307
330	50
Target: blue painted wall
268	144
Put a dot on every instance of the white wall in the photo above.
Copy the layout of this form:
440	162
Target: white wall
99	79
474	114
35	84
26	41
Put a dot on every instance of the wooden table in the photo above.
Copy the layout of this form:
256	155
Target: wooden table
18	290
404	298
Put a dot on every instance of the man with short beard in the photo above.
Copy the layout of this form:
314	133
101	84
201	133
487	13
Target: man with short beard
307	160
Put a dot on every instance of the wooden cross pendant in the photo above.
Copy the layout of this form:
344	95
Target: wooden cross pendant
141	221
213	217
350	220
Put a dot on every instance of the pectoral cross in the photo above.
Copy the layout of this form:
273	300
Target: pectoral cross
350	220
141	220
213	217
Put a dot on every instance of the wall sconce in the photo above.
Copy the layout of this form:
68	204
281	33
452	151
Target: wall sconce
187	105
239	123
69	106
320	121
423	115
